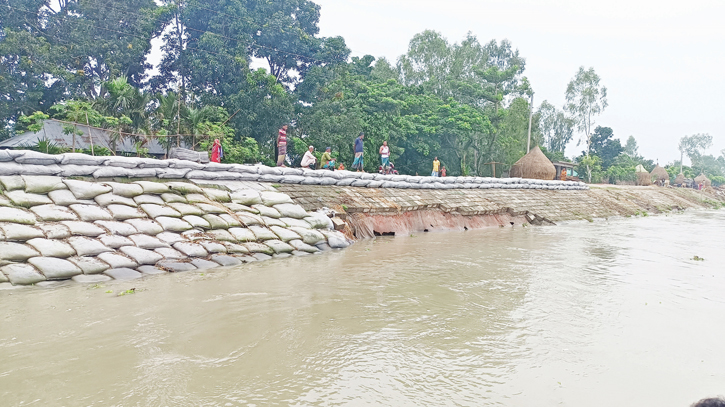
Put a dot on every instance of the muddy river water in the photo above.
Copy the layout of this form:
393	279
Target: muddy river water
610	313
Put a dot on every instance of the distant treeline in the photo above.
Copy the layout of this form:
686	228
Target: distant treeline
467	102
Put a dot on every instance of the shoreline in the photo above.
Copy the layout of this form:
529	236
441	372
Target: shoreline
97	225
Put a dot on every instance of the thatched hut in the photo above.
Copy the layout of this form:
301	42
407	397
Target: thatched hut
680	179
702	179
659	174
643	177
534	165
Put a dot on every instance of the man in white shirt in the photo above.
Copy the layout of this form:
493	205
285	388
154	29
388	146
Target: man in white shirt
309	160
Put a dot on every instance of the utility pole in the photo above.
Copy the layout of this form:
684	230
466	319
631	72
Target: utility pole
531	116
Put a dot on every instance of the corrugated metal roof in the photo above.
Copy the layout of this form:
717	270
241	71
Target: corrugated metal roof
53	131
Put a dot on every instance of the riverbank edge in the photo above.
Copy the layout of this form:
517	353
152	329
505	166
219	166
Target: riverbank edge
373	212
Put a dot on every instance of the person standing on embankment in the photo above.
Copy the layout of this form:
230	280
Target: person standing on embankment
385	156
436	166
217	153
281	146
358	164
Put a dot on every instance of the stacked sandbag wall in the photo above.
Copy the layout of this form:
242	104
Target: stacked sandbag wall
55	228
17	162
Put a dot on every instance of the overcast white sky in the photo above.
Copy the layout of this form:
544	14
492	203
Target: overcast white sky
663	62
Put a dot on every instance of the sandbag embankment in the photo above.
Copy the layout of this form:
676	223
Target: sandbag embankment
19	162
54	228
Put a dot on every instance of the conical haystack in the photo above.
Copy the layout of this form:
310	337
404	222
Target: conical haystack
534	165
659	173
680	179
644	179
639	168
702	178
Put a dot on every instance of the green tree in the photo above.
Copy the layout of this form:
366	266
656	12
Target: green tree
585	99
556	128
693	145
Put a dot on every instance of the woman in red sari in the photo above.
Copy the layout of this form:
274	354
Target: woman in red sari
216	152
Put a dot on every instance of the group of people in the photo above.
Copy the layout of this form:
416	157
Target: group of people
329	163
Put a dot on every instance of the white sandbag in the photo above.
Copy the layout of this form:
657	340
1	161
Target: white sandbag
87	247
117	228
18	232
24	199
302	246
215	221
78	170
309	236
146	198
249	218
235	248
10	168
155	211
90	213
52	247
123	212
171	197
89	265
279	246
54	230
82	228
153	163
16	251
123	162
319	220
53	213
273	222
173	224
111	172
299	223
262	233
55	269
116	261
284	234
150	187
242	234
271	198
16	215
255	247
82	159
146	226
111	198
170	238
115	241
232	221
36	158
86	190
10	155
147	242
191	249
213	247
22	274
42	184
217	195
290	210
125	190
222	235
141	256
12	182
186	209
184	188
292	179
212	208
246	197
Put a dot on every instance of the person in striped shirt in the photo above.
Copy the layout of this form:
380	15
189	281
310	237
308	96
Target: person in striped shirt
281	146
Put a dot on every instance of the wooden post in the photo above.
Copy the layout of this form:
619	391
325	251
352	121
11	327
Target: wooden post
90	134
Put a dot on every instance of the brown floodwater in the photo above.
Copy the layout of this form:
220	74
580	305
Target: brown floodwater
610	313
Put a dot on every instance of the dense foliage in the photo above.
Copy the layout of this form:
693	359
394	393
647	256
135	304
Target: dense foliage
468	103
